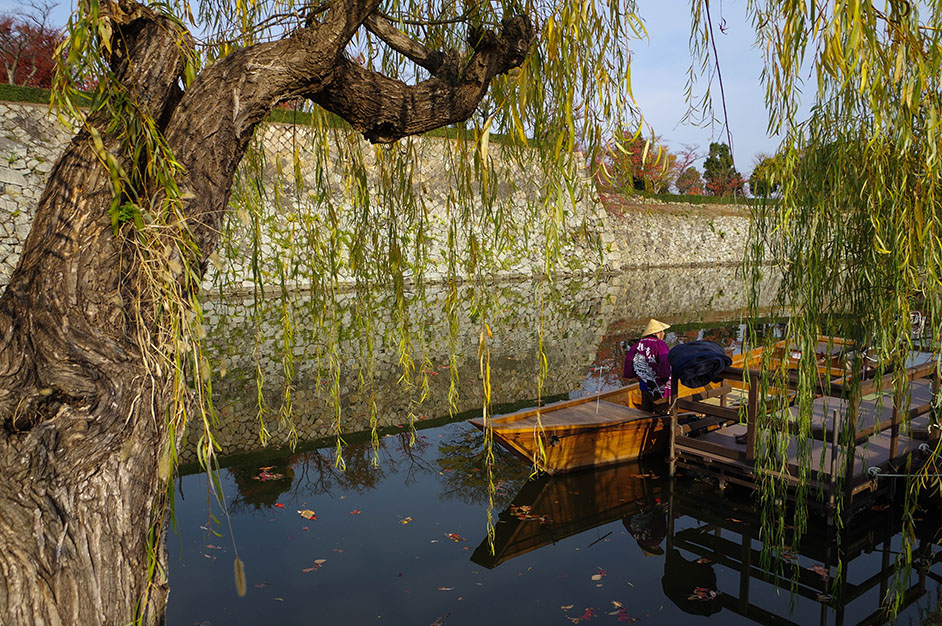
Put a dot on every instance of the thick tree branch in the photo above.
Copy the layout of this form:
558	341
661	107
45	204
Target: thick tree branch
385	110
419	54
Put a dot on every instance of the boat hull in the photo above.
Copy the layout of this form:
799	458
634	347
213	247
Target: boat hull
571	448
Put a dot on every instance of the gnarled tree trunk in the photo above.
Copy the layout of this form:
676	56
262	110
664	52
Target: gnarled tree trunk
83	427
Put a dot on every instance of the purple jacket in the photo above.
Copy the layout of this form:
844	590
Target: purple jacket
647	360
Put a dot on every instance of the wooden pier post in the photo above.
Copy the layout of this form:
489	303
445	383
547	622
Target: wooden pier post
672	448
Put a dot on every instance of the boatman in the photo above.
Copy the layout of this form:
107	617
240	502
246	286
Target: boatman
647	361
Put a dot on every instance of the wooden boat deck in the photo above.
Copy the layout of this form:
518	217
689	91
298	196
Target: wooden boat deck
886	434
599	412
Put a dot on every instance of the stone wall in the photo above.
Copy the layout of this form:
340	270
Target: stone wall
607	233
30	142
584	315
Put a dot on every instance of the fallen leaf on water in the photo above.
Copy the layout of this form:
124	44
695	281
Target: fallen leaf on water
317	565
261	585
355	512
279	505
820	570
454	537
566	607
702	593
599	574
307	514
405	520
265	475
704	561
445	588
440	621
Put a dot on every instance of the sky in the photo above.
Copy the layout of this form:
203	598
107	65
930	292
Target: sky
659	75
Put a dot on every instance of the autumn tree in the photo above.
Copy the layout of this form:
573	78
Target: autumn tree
762	182
101	328
689	182
28	46
719	173
632	162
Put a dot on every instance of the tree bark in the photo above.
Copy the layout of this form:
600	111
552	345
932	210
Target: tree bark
83	432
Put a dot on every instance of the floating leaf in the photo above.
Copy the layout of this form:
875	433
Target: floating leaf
820	570
355	512
445	588
702	593
279	505
454	537
405	520
307	514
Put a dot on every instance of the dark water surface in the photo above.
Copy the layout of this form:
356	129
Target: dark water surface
405	543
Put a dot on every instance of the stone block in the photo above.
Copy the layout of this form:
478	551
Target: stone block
9	176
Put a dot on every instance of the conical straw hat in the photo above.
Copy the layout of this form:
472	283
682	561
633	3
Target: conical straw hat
654	326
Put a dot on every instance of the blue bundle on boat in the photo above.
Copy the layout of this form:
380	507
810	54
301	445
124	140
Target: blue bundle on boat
697	363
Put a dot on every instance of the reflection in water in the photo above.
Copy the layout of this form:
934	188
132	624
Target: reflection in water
463	469
549	509
407	541
712	558
580	326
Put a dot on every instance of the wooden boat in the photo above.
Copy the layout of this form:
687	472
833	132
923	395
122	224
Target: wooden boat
593	431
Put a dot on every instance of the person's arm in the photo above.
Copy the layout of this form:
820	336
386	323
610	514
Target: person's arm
629	371
663	368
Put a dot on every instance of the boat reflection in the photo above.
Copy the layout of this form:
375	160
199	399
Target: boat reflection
712	555
551	508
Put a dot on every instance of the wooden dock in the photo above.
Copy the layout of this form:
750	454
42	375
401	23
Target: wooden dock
707	534
888	432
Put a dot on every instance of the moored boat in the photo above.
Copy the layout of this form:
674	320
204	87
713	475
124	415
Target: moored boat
593	431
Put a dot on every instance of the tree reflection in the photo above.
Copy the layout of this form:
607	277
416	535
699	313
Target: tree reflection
464	478
317	472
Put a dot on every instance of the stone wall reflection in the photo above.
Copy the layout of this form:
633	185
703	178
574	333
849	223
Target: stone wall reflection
577	318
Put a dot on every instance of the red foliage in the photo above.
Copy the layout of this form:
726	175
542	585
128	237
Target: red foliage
634	163
28	48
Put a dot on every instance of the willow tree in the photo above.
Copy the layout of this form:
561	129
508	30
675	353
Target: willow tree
101	363
858	224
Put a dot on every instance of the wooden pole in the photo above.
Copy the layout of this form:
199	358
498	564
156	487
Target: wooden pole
672	447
